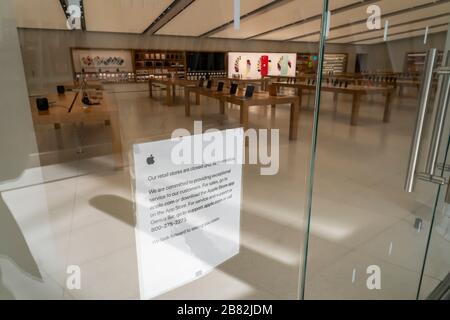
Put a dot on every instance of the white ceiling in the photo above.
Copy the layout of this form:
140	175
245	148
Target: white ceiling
282	20
40	14
132	16
344	17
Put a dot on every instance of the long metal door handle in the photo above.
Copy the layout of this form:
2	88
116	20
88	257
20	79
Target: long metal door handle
423	103
441	106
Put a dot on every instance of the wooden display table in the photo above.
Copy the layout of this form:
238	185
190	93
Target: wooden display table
58	114
262	83
170	85
354	90
258	99
96	84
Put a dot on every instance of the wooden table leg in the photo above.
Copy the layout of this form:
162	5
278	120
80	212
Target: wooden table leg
187	103
293	122
116	138
150	87
336	97
273	111
300	97
222	106
168	95
174	94
387	108
59	138
197	99
244	115
355	109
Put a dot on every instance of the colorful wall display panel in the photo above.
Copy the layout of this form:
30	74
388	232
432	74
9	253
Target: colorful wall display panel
102	60
251	65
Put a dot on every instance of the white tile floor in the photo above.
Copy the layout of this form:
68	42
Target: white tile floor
80	212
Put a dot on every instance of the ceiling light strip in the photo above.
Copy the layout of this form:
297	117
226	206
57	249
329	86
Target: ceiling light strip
174	9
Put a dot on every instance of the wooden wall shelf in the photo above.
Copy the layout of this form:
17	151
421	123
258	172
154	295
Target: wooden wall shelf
158	63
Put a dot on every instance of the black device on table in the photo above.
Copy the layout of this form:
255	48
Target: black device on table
42	104
233	88
86	101
249	91
61	89
209	84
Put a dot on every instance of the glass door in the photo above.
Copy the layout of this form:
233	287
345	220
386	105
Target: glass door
91	107
378	218
437	262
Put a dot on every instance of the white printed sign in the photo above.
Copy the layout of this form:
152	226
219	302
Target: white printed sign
188	213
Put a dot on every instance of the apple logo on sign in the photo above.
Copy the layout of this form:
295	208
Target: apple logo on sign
151	160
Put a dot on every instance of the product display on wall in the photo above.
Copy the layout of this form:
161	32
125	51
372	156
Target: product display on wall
157	63
138	65
252	65
103	64
204	65
332	62
307	62
415	61
335	63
